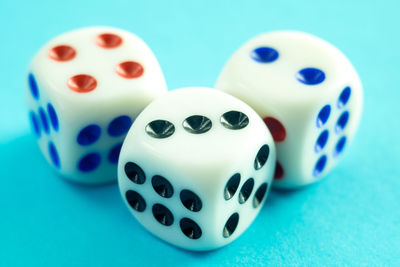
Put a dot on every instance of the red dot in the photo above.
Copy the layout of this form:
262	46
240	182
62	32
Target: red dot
278	171
108	40
82	83
62	53
276	128
129	69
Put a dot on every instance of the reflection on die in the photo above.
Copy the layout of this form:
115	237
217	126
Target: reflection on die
308	94
85	88
196	167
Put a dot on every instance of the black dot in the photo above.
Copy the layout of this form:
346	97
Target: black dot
162	186
230	225
232	186
234	120
190	200
190	228
135	173
135	200
246	190
259	195
262	157
160	129
162	214
197	124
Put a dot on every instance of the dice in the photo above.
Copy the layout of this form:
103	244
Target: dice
195	167
85	88
308	94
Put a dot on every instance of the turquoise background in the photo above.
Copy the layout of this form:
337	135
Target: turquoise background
351	218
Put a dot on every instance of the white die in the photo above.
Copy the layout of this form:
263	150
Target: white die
196	166
308	94
85	88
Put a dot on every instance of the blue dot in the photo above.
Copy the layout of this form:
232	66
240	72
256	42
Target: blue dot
264	54
54	155
323	115
321	141
344	97
342	122
33	86
310	76
53	116
43	118
89	135
35	123
320	165
114	153
119	126
89	162
340	146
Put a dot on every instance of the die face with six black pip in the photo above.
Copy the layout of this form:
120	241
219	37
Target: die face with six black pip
196	167
85	88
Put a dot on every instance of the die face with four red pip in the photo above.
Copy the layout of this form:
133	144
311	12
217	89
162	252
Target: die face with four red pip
85	88
196	167
307	92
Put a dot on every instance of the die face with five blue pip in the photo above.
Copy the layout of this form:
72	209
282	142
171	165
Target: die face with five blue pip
196	167
85	88
308	94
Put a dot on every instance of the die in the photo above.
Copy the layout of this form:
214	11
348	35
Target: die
308	94
85	88
195	167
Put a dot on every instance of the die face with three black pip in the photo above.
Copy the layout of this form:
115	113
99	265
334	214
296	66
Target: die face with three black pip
196	167
85	88
307	92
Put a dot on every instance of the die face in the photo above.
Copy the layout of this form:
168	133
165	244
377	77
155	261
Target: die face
87	149
198	157
306	70
332	129
97	72
92	118
45	122
298	84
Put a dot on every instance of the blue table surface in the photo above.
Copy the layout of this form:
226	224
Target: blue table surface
350	218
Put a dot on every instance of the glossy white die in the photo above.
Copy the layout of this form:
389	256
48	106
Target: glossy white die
308	94
85	88
195	167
